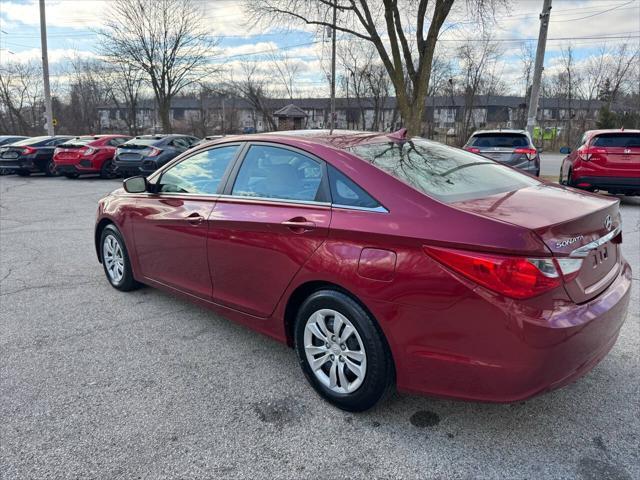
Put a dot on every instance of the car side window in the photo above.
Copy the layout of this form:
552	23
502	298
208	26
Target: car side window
114	142
273	172
200	173
180	143
345	192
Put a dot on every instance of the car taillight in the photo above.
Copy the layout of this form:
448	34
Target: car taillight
529	152
590	153
88	151
515	277
154	152
28	150
472	149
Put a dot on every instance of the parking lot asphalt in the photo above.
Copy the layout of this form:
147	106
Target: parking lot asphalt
95	383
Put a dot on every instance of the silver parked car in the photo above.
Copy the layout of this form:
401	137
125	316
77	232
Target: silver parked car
511	147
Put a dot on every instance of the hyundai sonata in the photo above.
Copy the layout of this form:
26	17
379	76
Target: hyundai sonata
383	260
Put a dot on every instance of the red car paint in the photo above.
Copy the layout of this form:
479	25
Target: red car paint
448	335
90	158
598	164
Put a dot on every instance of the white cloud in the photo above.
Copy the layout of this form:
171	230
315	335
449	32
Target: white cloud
56	55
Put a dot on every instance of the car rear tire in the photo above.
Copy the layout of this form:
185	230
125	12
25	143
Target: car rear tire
50	169
342	351
108	170
115	260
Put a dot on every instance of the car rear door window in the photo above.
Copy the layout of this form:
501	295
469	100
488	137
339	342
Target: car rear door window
445	173
180	143
500	140
200	173
346	193
279	173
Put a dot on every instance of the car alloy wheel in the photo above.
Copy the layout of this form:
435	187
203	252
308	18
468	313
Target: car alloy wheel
50	169
113	258
335	351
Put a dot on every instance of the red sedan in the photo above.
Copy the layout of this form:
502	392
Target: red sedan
384	260
88	154
606	160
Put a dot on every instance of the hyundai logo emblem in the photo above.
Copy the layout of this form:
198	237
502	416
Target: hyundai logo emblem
608	222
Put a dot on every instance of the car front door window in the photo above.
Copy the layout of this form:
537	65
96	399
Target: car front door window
200	173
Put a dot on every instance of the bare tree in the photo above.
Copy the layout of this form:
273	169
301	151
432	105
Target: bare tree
477	60
621	63
404	33
126	84
286	71
167	39
21	98
527	57
252	87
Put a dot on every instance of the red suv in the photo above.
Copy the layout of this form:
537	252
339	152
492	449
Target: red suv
88	154
604	160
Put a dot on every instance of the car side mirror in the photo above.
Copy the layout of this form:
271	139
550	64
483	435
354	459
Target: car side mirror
565	150
135	184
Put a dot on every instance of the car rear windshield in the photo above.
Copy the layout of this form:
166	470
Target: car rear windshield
79	142
620	140
500	140
445	173
140	142
32	141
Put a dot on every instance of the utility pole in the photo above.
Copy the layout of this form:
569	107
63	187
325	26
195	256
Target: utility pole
45	71
539	66
333	68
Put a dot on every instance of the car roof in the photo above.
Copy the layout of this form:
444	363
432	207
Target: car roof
503	130
592	133
341	139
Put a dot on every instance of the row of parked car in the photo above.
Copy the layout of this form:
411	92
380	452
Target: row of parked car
603	159
106	155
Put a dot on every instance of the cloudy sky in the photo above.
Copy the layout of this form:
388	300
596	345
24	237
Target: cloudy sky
585	24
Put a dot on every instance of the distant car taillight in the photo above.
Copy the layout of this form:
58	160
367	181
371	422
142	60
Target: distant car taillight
154	152
88	151
472	149
515	277
28	150
590	153
529	152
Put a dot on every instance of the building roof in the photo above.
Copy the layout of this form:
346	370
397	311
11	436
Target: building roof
290	111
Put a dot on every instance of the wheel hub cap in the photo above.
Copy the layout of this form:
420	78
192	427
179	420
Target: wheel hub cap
334	350
113	258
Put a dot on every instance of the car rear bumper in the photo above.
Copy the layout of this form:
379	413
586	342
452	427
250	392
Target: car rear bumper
616	184
15	164
142	167
78	166
498	351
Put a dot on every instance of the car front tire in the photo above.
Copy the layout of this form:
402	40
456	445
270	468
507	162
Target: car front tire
115	260
342	351
50	169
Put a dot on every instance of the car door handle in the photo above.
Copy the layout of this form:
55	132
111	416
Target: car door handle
195	218
299	225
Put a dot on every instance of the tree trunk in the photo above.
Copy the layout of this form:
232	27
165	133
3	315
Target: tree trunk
164	106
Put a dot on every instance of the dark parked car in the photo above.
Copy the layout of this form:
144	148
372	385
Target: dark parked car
31	155
604	160
9	139
144	154
88	154
209	138
384	260
511	147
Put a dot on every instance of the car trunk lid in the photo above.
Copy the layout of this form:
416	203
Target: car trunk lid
566	221
615	151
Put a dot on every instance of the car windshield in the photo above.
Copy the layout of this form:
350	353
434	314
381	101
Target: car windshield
499	140
620	140
31	141
445	173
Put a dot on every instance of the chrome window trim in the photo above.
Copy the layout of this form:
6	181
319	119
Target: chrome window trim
584	250
276	200
378	209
